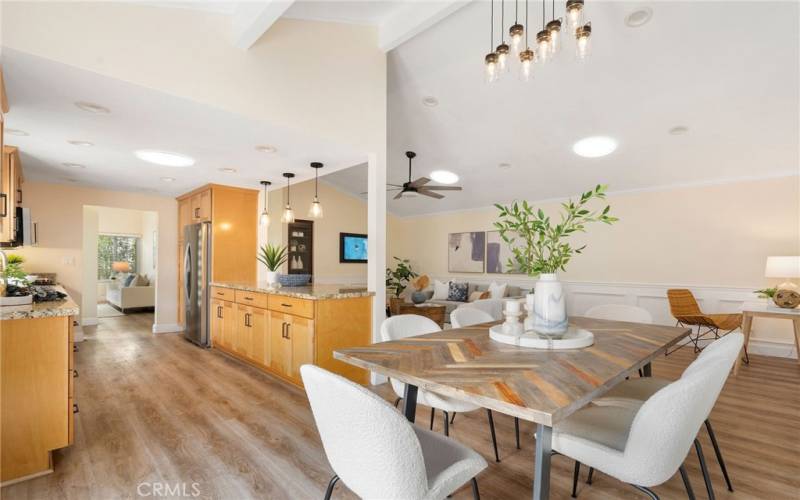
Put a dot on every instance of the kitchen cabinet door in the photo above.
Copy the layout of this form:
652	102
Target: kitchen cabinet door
260	341
229	324
184	216
301	333
280	345
244	331
217	322
201	206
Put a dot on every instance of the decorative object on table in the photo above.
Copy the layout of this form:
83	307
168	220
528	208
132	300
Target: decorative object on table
686	311
783	267
273	257
420	186
119	269
397	280
539	247
512	325
466	252
352	248
573	338
787	299
458	292
315	210
499	255
419	284
294	279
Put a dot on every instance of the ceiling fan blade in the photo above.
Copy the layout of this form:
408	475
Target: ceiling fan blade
420	182
398	196
394	185
442	188
425	192
389	190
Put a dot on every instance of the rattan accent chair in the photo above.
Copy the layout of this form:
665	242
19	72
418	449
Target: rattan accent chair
686	311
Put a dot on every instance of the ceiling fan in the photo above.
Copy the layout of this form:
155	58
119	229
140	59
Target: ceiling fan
419	186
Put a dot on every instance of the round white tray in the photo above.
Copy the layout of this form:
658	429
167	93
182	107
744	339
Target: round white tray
575	338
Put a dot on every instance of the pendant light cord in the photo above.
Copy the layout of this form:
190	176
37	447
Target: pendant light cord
544	14
502	21
527	26
516	11
288	193
316	183
491	49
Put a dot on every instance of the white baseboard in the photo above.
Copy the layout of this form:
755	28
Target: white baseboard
167	328
89	321
772	348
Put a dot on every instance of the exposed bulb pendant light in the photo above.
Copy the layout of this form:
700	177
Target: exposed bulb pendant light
527	57
582	36
491	59
554	28
315	210
574	14
503	49
516	31
263	220
543	39
288	214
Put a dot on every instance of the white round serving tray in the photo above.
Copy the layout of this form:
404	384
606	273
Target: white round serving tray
575	338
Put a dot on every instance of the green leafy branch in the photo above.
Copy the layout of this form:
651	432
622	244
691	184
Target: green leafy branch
397	279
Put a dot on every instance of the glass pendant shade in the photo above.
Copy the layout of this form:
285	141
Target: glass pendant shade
554	28
583	36
516	32
263	219
315	210
502	56
543	46
288	215
526	59
490	62
574	14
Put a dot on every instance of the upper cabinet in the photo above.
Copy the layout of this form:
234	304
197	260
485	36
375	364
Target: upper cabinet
10	194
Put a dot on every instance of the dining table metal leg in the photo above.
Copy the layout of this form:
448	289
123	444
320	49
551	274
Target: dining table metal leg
410	403
541	473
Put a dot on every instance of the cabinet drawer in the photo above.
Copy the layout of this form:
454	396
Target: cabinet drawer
222	293
291	305
251	299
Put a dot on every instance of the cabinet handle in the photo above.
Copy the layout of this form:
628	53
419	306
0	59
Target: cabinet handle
220	293
248	298
197	213
75	347
74	373
5	205
286	305
219	312
283	330
19	196
287	331
75	408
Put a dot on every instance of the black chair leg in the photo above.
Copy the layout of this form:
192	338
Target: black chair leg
446	424
397	402
591	473
641	373
706	477
646	491
575	475
331	484
494	437
452	418
433	414
686	482
719	454
475	493
516	430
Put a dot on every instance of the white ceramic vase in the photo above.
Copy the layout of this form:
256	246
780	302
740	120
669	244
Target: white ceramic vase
549	306
272	278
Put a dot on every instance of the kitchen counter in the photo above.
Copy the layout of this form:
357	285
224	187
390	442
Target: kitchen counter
52	309
310	292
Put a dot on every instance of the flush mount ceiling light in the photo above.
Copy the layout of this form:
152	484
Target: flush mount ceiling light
168	179
266	149
15	131
444	177
164	158
315	210
430	101
287	217
639	17
263	219
73	165
679	130
91	107
83	144
228	170
595	147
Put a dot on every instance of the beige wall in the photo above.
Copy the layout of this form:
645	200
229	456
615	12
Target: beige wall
59	211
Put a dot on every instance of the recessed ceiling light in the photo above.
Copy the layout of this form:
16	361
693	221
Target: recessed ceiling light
228	170
90	107
503	165
83	144
444	177
168	179
15	131
595	147
266	149
164	158
430	101
73	165
679	130
639	17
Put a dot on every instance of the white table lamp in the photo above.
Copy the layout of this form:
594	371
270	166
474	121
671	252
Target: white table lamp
783	267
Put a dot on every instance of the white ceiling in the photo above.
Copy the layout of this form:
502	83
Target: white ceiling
353	12
142	118
727	71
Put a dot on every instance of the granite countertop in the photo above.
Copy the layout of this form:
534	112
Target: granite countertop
51	309
310	292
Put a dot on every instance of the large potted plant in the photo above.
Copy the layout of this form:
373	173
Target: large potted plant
272	256
397	280
540	248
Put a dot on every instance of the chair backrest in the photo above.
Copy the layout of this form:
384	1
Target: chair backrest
726	347
466	316
407	325
492	306
682	303
620	312
666	424
369	444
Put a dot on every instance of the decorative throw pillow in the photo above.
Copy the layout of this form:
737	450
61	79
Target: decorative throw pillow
141	280
440	290
478	295
497	291
458	292
129	280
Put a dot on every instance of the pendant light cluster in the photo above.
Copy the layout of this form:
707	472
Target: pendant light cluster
546	45
287	217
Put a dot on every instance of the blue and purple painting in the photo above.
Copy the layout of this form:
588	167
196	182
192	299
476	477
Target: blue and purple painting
466	252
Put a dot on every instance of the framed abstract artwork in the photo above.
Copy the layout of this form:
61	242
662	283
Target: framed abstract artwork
466	252
497	254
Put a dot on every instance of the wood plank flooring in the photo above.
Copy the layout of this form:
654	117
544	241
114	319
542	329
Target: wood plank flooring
158	410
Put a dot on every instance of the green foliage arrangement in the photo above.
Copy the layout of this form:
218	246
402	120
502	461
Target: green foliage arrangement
766	293
397	279
538	243
272	256
14	270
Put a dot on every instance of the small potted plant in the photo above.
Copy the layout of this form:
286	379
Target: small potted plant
272	256
397	280
540	248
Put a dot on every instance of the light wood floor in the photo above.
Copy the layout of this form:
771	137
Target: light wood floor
158	409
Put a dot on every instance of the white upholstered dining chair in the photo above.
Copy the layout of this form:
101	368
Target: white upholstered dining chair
494	307
468	316
645	445
620	312
376	452
410	325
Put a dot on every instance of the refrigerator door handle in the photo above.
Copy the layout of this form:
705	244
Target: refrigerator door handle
187	272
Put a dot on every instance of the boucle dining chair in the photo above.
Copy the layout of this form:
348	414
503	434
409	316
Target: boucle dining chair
376	452
631	393
411	325
646	446
686	311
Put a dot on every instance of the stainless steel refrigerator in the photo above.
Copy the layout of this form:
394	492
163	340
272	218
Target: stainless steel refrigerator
196	277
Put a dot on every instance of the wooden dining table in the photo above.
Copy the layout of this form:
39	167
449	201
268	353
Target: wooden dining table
540	386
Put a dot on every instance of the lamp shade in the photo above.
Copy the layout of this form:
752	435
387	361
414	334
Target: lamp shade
120	267
783	267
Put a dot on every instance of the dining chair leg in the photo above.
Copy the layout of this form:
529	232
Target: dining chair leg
591	473
516	430
494	437
706	477
719	454
397	402
433	415
686	483
452	418
331	484
446	424
646	491
475	493
575	475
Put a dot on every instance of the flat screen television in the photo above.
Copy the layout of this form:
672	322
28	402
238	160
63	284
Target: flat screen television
352	248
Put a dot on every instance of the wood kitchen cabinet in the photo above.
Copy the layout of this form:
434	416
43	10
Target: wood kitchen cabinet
223	323
292	341
10	193
201	206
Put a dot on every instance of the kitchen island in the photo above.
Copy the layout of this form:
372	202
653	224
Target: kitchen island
278	330
36	391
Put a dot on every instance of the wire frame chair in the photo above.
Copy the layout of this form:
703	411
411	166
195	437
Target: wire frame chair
686	311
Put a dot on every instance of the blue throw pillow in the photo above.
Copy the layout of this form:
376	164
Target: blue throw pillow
458	292
129	280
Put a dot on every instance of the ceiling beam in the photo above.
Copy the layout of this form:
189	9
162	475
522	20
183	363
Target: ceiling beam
414	18
252	19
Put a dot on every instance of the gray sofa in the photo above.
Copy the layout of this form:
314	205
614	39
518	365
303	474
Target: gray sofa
512	292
